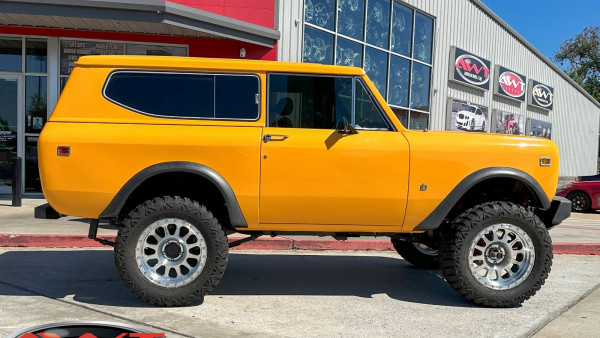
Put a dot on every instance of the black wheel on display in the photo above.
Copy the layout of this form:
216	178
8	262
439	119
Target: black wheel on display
472	127
496	254
580	201
171	251
417	254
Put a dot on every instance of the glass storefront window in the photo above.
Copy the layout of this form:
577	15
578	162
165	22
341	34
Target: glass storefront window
402	24
351	18
36	56
9	88
419	120
419	89
378	23
399	81
348	53
318	46
423	38
32	174
10	55
143	49
320	13
376	68
35	103
402	115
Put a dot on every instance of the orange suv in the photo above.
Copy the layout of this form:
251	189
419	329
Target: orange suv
182	152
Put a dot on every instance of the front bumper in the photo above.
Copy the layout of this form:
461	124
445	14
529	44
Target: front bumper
560	209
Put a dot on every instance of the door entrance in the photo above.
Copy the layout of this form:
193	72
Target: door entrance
9	122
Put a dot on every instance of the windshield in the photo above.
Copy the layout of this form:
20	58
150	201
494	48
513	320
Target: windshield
470	109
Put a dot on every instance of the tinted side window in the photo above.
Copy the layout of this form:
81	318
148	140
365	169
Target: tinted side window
367	115
318	102
186	95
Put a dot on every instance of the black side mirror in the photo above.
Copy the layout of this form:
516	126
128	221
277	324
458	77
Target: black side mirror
346	128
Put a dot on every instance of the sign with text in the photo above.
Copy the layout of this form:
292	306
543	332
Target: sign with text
540	95
510	84
71	50
469	69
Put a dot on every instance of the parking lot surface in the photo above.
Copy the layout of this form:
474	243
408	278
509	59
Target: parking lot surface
290	294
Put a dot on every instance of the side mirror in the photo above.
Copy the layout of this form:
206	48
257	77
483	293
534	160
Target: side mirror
346	128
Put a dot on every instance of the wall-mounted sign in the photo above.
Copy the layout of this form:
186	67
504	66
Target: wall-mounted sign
469	69
539	128
508	123
71	50
466	116
510	84
540	95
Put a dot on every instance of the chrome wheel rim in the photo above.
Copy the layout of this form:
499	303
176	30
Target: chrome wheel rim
171	252
424	249
501	256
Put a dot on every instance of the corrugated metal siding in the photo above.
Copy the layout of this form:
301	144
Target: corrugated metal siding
575	119
291	20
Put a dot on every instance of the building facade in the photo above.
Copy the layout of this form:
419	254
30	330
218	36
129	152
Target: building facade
441	65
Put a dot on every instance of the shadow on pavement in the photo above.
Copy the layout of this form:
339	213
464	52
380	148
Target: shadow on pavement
91	277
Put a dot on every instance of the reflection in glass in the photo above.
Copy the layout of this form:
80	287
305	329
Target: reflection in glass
351	18
318	46
35	103
367	115
320	13
419	89
8	128
419	120
36	55
376	68
402	115
10	55
402	22
378	23
399	80
63	82
348	53
423	38
32	173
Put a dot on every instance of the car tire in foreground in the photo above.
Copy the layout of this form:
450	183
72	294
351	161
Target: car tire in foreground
417	254
496	254
171	251
580	201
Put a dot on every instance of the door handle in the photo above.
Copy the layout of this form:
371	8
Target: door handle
274	137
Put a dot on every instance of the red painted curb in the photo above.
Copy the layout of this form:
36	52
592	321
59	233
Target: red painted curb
281	243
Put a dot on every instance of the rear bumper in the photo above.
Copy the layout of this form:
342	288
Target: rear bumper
560	209
45	211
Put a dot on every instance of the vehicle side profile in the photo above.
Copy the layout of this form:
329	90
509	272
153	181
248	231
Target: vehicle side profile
180	153
583	194
470	118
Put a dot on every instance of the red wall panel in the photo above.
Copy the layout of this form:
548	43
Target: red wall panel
259	12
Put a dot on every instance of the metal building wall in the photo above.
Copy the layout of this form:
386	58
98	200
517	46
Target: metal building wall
463	23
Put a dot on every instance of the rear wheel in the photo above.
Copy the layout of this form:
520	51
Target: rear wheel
580	201
171	251
419	255
496	254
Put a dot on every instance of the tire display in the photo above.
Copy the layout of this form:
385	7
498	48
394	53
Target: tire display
171	251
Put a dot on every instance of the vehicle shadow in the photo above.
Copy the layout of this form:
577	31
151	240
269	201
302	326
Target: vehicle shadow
91	277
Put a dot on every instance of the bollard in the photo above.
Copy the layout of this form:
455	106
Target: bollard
17	195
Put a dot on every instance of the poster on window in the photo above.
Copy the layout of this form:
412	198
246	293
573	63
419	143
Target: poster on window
466	116
71	50
143	49
539	128
508	123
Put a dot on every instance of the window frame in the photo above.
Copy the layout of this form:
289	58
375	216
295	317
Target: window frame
258	104
355	79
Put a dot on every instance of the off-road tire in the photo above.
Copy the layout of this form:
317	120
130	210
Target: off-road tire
414	256
171	207
580	201
458	238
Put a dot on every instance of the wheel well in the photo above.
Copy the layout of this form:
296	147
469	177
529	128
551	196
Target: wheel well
181	184
496	189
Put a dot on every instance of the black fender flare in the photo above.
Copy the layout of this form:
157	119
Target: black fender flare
436	217
235	213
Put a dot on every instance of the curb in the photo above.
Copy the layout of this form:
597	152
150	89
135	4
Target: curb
283	243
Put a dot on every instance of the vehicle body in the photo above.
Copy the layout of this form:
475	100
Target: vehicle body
584	194
588	178
176	148
470	118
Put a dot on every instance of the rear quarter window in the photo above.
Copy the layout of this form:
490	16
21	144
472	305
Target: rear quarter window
186	95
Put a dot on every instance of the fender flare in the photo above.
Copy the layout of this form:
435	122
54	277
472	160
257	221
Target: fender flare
235	213
436	217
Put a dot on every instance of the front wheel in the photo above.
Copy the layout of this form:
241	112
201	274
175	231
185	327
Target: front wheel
496	254
580	201
418	254
171	251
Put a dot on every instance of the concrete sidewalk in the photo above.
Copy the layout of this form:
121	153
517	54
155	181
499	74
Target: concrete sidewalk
579	234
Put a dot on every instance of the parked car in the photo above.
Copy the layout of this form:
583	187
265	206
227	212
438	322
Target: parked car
588	178
470	118
584	194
